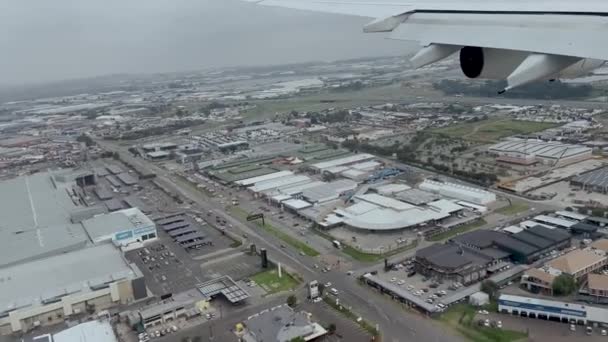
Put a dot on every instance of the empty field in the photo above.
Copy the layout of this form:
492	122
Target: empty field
489	131
271	283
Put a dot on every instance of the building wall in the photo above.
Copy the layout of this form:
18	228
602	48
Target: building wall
127	237
23	319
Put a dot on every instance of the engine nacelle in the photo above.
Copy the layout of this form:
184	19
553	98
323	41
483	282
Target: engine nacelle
477	62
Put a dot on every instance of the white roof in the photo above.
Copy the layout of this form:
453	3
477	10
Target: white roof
391	188
296	189
480	208
366	166
280	198
29	283
329	190
156	154
250	181
462	192
555	221
336	169
385	202
352	173
529	224
118	221
387	219
94	331
360	208
279	182
296	204
543	149
571	215
445	206
342	161
513	229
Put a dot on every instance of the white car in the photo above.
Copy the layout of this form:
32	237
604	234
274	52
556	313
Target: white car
393	280
401	282
328	284
316	300
499	324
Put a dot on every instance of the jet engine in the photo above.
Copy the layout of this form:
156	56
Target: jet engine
477	62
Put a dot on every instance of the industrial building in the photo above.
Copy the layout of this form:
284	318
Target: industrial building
122	227
375	212
596	180
597	285
345	161
97	276
523	247
457	191
93	331
526	152
37	212
329	191
281	324
552	310
457	263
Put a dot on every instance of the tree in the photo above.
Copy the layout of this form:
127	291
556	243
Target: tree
297	339
490	287
292	301
563	285
331	328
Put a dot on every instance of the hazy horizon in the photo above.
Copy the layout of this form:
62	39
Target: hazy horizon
67	39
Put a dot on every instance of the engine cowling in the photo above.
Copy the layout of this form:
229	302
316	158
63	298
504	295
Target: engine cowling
477	62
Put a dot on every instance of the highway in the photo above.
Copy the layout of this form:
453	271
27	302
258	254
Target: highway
395	322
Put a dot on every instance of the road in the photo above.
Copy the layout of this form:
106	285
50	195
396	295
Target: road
395	323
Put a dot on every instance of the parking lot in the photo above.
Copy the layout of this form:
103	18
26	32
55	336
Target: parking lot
431	291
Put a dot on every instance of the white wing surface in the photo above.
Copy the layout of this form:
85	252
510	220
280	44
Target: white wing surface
509	35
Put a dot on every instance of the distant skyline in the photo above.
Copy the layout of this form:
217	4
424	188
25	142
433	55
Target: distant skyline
46	41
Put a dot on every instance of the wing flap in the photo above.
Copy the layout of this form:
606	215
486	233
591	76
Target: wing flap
566	35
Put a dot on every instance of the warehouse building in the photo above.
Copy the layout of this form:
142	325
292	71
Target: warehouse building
122	227
524	247
265	177
37	214
97	276
526	152
457	191
552	310
596	181
375	212
344	161
281	323
329	191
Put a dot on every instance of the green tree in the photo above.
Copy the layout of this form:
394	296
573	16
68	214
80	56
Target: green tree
298	339
292	301
490	287
331	328
563	285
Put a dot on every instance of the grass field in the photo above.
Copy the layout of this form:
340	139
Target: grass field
461	318
453	232
316	102
271	283
513	209
492	130
290	240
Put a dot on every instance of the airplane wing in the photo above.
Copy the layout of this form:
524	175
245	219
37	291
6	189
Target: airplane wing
540	39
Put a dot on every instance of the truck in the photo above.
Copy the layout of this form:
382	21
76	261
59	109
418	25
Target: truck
337	244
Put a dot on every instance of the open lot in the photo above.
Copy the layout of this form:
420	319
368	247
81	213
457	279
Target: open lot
489	131
271	283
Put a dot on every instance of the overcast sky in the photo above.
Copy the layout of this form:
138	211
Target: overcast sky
42	40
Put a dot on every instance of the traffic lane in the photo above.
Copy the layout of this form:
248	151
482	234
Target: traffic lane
395	322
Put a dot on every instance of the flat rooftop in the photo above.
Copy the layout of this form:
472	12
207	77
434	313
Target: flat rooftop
118	221
31	283
36	218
